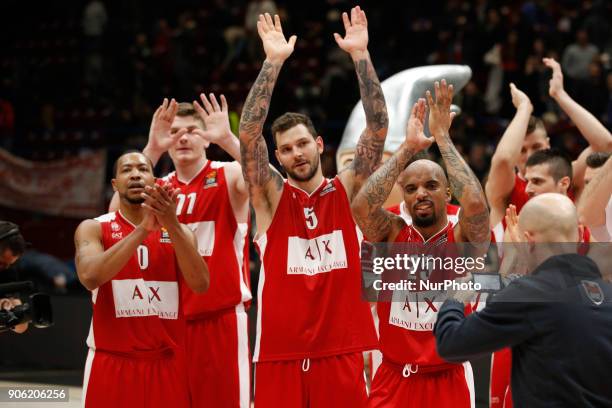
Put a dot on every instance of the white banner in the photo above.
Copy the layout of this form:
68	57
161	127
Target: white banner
71	187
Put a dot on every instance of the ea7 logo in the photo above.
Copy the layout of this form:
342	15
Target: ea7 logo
317	255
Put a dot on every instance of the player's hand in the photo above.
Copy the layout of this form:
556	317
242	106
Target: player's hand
415	135
440	115
160	136
149	221
519	98
8	304
215	118
514	233
276	47
161	201
355	41
555	85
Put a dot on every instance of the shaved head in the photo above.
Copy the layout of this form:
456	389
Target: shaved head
424	165
550	217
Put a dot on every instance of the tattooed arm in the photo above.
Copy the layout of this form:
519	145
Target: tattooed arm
371	143
474	216
264	184
378	224
94	265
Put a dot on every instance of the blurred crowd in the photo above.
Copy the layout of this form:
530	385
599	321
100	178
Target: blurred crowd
91	75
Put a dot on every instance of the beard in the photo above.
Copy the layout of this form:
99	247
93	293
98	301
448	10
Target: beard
424	222
314	165
132	200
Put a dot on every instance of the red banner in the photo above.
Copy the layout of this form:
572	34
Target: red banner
71	187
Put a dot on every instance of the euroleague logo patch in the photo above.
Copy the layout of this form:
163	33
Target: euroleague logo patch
165	237
211	179
593	291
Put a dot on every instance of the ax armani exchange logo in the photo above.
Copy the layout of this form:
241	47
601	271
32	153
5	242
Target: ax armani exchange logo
317	255
137	298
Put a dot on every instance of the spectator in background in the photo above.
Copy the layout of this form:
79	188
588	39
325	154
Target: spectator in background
578	56
254	10
94	21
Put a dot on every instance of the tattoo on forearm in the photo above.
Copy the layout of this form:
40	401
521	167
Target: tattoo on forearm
461	178
368	154
372	96
253	149
372	141
476	227
376	222
379	185
466	188
258	101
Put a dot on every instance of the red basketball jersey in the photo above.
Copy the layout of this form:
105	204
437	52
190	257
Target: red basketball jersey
138	312
309	293
204	206
452	212
406	324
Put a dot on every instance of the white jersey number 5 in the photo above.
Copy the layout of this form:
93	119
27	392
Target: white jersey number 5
311	218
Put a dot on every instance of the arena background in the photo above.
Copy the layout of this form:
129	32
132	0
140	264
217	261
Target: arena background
80	81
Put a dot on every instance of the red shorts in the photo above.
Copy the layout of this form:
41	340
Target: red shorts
117	381
335	382
500	395
218	360
442	388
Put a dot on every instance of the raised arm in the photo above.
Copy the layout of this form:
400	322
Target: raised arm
501	175
265	185
94	265
216	124
593	130
160	136
474	216
218	131
372	141
378	224
595	197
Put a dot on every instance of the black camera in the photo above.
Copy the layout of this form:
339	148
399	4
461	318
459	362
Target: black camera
36	309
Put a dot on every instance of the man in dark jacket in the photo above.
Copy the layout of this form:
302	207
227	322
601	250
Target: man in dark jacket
558	319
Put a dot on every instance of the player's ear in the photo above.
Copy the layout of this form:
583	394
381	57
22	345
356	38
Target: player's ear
114	184
320	144
449	195
277	154
565	183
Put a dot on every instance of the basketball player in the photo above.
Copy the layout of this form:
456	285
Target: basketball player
595	206
526	135
132	261
412	374
213	202
312	325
